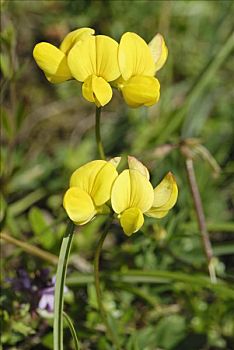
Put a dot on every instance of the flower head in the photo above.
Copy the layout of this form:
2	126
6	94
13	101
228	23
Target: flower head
138	63
53	60
90	189
94	62
132	196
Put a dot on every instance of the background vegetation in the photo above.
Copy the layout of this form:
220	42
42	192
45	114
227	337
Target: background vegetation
48	131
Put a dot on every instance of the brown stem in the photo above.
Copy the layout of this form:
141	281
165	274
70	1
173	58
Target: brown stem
200	217
31	249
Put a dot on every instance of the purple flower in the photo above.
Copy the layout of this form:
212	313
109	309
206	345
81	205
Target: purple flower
21	282
46	301
30	286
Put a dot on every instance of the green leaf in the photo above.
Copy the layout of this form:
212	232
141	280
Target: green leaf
169	331
20	114
59	286
3	208
37	220
23	204
47	340
221	227
223	249
197	281
41	227
7	36
6	123
22	328
72	330
5	66
143	339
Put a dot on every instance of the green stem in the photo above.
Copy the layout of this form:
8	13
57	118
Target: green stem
59	286
104	316
98	134
72	330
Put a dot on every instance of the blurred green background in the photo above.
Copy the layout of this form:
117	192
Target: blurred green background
48	131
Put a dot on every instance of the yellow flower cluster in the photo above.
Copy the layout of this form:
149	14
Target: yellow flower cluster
100	63
96	187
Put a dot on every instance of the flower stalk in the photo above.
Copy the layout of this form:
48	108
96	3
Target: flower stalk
98	134
59	286
103	313
101	307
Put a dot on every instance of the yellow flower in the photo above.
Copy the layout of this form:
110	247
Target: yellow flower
94	62
90	188
53	61
159	51
165	197
138	64
132	196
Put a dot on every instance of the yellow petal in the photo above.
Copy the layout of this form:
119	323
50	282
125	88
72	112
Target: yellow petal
75	36
165	197
95	178
141	90
78	205
102	91
131	220
97	90
156	213
94	56
131	189
115	161
87	89
121	192
135	164
166	193
134	57
56	79
101	189
82	59
159	51
107	58
52	61
84	176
